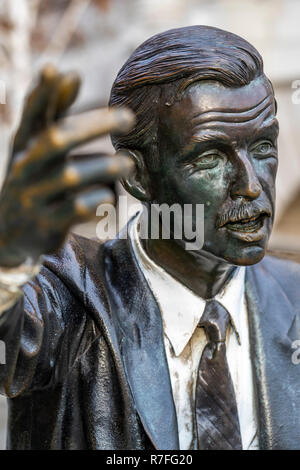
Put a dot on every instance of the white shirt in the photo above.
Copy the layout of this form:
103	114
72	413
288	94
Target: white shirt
181	311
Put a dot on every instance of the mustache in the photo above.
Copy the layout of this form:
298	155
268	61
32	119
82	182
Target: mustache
243	210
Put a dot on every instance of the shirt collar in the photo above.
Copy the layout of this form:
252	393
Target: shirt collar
232	297
181	308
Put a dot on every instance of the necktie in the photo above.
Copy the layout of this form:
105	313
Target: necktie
217	421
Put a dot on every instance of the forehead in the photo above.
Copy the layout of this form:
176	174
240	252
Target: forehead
208	96
209	104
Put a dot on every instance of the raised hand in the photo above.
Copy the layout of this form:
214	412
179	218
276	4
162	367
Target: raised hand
44	192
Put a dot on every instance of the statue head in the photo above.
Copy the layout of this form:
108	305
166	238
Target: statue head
206	133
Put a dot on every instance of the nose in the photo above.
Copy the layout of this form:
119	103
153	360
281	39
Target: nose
246	184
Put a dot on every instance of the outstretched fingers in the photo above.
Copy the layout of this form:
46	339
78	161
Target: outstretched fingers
76	175
49	98
71	132
79	208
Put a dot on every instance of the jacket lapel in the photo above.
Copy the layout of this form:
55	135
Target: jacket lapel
273	327
140	335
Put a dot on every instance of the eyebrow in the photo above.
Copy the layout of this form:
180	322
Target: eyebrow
269	124
209	135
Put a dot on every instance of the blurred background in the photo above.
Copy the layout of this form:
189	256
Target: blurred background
95	37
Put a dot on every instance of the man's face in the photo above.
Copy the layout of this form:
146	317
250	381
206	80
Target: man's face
218	147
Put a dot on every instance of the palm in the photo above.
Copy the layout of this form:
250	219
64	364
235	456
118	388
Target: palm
45	193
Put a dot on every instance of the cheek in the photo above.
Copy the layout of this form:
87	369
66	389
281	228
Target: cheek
208	187
266	171
267	168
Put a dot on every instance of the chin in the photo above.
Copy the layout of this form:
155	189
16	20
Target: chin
246	256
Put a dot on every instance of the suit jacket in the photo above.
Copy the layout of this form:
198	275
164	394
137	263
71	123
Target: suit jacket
86	366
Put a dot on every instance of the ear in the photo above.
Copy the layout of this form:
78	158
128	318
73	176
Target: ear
137	183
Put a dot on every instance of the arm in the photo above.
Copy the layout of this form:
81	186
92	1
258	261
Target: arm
33	330
43	195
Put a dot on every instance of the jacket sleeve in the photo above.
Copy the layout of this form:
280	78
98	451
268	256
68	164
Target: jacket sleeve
32	332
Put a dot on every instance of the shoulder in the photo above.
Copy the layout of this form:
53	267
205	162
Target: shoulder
75	262
286	273
76	251
83	261
281	266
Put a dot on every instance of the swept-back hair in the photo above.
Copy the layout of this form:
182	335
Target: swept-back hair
184	56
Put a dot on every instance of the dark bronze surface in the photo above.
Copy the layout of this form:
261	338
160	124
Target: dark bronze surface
86	366
45	193
90	371
206	132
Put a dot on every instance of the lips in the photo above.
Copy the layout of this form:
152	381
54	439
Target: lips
246	225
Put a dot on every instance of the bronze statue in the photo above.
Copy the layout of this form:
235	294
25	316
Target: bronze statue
140	343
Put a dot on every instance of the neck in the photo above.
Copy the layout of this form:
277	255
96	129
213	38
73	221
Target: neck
202	272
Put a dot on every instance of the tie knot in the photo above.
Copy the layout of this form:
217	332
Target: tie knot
215	321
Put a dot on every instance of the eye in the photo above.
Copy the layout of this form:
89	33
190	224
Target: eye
264	149
207	160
